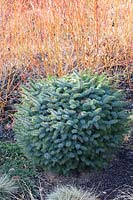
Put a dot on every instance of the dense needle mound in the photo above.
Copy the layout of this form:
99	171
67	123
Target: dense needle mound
71	123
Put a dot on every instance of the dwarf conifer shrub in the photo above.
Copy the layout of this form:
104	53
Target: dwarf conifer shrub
71	123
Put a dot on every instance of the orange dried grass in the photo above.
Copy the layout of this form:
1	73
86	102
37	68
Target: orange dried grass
67	33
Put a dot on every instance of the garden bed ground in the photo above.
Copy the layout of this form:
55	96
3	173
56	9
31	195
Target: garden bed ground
118	176
108	183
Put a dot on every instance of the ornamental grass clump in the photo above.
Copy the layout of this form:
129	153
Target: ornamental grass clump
71	123
71	193
7	187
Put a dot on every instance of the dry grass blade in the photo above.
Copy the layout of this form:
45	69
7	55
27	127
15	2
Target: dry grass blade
67	34
126	194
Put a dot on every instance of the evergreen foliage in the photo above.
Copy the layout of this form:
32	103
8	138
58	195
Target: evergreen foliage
71	123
